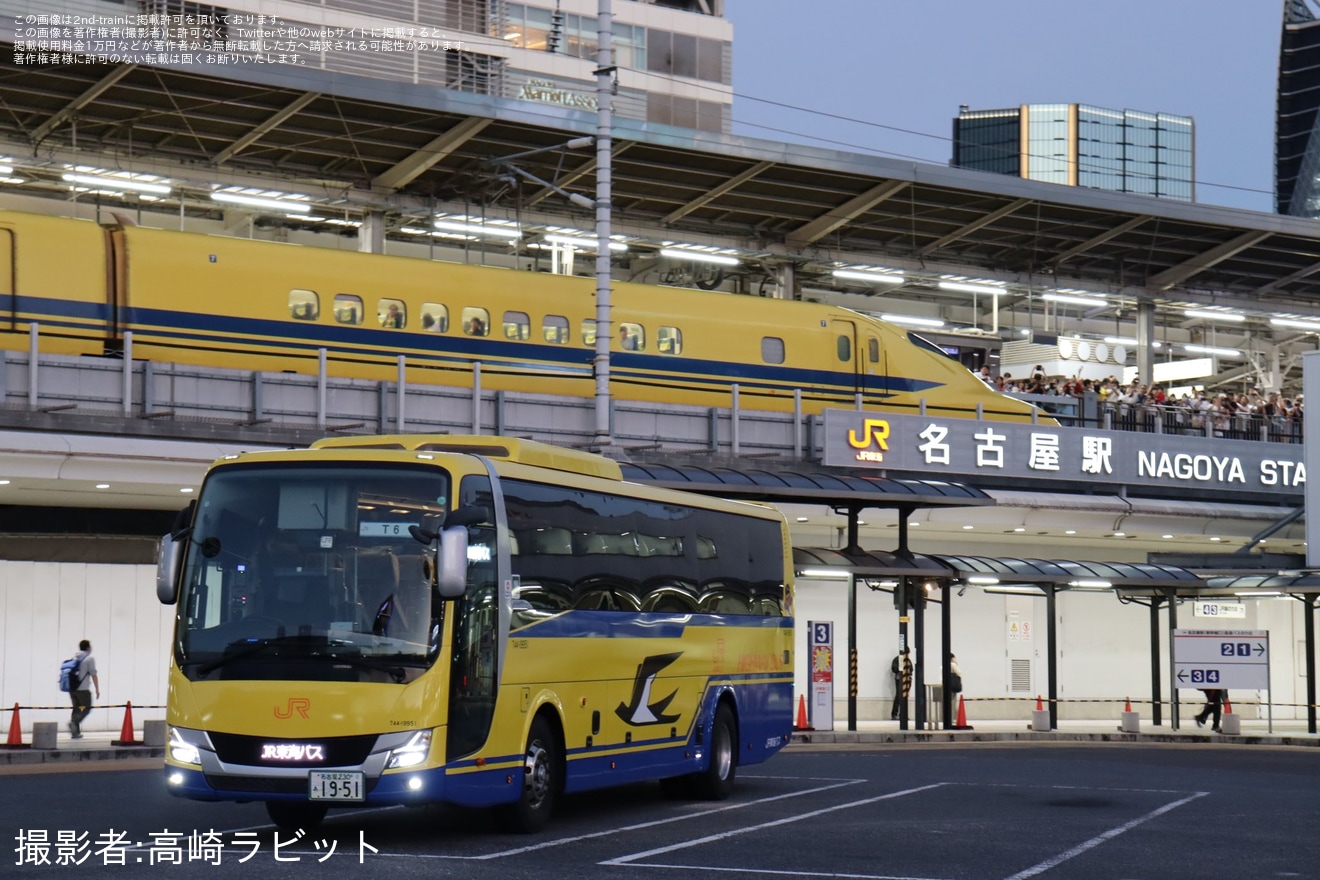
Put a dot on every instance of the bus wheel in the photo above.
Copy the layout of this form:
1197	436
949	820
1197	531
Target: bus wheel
541	781
715	783
295	815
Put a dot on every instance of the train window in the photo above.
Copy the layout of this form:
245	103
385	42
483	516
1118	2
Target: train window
588	331
476	322
873	349
517	325
844	348
669	340
348	308
304	305
555	329
392	313
435	318
632	337
772	349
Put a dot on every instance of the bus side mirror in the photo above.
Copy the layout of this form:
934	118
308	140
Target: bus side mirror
452	562
168	559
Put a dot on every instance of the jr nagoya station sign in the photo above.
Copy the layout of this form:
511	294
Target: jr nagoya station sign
935	446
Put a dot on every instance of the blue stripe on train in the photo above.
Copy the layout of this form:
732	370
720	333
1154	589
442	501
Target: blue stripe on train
179	328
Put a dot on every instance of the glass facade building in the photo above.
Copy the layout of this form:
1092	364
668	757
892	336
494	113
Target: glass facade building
1080	145
1296	139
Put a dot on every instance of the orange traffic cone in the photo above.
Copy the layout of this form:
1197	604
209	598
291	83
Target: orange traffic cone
1128	707
1228	707
961	723
126	733
802	714
15	740
1039	705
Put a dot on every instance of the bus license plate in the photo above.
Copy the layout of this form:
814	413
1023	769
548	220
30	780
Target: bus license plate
330	785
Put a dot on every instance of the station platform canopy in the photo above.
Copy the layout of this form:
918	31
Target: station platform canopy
840	490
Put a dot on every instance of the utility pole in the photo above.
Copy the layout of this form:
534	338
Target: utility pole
605	72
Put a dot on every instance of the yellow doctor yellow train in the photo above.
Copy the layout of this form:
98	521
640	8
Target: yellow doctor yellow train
218	301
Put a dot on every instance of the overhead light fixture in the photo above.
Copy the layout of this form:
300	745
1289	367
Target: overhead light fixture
1257	593
968	287
1074	299
877	277
1120	340
1296	324
1206	315
912	320
111	181
698	256
835	573
1015	591
479	229
982	580
268	204
579	241
1208	349
1094	583
103	485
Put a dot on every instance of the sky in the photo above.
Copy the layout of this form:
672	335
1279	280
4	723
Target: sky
901	68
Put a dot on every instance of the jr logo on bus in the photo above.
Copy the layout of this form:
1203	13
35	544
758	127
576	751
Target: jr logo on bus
642	711
874	431
295	704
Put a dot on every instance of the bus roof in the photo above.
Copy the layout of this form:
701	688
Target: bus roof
528	452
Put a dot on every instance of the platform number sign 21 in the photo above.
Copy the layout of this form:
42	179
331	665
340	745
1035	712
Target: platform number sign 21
1234	649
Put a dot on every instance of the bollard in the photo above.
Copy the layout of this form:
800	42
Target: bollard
153	733
1131	722
1040	716
44	734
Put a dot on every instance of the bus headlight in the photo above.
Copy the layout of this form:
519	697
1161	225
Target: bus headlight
411	753
182	751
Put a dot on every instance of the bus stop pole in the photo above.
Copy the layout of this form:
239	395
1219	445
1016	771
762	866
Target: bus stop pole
1052	647
946	637
1173	682
919	671
1308	609
1157	705
852	652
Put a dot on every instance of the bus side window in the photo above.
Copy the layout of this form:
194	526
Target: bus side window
555	329
517	325
435	318
348	308
772	349
304	305
669	340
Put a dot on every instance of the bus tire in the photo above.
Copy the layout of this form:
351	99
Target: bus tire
715	783
295	815
542	780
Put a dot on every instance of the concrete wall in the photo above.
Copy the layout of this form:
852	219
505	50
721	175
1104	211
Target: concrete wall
46	608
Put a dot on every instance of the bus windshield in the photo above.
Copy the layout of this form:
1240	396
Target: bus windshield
310	572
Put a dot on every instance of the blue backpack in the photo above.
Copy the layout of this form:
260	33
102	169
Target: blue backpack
68	672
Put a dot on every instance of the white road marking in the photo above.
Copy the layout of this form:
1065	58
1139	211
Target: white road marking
630	859
1101	838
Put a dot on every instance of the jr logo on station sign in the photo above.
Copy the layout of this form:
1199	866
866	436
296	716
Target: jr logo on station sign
936	446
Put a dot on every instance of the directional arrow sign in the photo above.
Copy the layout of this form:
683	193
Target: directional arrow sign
1222	658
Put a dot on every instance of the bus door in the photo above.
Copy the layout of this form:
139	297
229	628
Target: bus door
481	619
846	363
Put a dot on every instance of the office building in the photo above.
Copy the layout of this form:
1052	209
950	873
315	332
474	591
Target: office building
1296	140
1081	145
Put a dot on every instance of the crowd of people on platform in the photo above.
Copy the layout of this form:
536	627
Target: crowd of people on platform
1134	406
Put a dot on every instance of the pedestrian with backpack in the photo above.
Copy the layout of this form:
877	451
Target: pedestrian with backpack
79	694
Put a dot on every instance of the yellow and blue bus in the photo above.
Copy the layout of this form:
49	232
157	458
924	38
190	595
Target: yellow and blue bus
478	621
